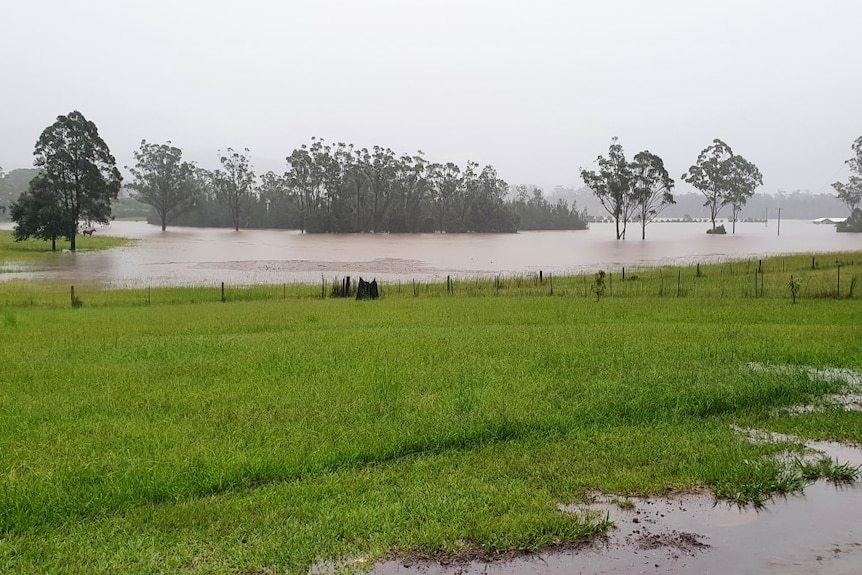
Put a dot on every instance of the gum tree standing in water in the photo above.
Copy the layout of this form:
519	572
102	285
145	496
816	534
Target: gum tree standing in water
723	178
742	179
612	185
234	184
851	192
164	181
652	188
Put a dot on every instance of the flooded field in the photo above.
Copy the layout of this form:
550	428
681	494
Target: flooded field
199	256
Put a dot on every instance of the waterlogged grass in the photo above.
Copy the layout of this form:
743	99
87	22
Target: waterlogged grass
827	468
836	275
263	436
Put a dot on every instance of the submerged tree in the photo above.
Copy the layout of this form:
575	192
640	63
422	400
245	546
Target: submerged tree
234	184
851	192
743	178
707	175
652	186
612	185
78	179
723	178
164	181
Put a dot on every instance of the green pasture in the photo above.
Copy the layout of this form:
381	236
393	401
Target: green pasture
279	429
33	250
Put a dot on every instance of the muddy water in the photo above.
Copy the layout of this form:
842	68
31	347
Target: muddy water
819	531
198	256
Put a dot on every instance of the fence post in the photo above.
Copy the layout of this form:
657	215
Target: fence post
755	283
540	277
73	296
839	281
222	292
551	280
148	295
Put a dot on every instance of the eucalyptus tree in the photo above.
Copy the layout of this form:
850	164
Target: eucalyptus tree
444	182
723	178
652	188
409	191
39	213
234	183
164	181
380	167
280	205
464	196
355	191
709	176
487	210
743	178
851	192
79	174
612	184
301	178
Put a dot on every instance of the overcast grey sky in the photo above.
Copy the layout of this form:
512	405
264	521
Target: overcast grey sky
535	88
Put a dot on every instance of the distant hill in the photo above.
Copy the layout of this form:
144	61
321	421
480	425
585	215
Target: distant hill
17	181
11	186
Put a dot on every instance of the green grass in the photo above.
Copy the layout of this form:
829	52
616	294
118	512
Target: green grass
34	250
264	435
827	468
732	280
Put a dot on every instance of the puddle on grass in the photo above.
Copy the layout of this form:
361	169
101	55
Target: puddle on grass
850	399
816	532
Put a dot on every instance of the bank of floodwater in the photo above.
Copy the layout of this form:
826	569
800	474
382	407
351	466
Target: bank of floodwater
209	256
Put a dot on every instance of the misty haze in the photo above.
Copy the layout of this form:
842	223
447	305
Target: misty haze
430	288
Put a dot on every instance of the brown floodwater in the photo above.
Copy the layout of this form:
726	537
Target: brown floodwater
201	256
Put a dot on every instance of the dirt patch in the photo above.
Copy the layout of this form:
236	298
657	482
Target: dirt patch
683	541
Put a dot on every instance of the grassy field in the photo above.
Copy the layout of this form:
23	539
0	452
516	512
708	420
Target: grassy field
836	275
279	429
34	250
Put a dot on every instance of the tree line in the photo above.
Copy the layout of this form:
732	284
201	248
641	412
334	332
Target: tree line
326	188
337	188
